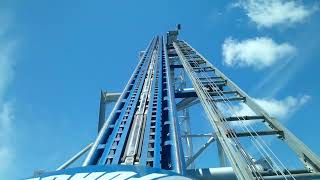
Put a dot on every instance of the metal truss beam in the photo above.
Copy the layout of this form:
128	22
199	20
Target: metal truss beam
105	98
187	102
185	93
204	77
75	157
179	160
176	66
234	155
197	154
244	118
240	134
310	159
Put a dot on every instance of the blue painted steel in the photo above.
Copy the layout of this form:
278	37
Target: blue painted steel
115	152
159	119
185	94
96	150
160	143
150	155
177	156
109	172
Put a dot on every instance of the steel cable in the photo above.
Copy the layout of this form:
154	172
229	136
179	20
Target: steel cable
224	98
231	133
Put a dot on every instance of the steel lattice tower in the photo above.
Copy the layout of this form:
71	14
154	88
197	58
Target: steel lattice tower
148	134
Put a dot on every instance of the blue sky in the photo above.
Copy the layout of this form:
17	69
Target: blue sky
55	57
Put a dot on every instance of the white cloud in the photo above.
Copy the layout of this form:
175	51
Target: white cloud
7	45
6	151
281	109
6	107
275	12
259	52
6	117
6	66
6	137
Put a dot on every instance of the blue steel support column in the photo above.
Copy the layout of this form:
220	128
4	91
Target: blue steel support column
102	111
177	154
115	144
151	149
160	142
99	145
